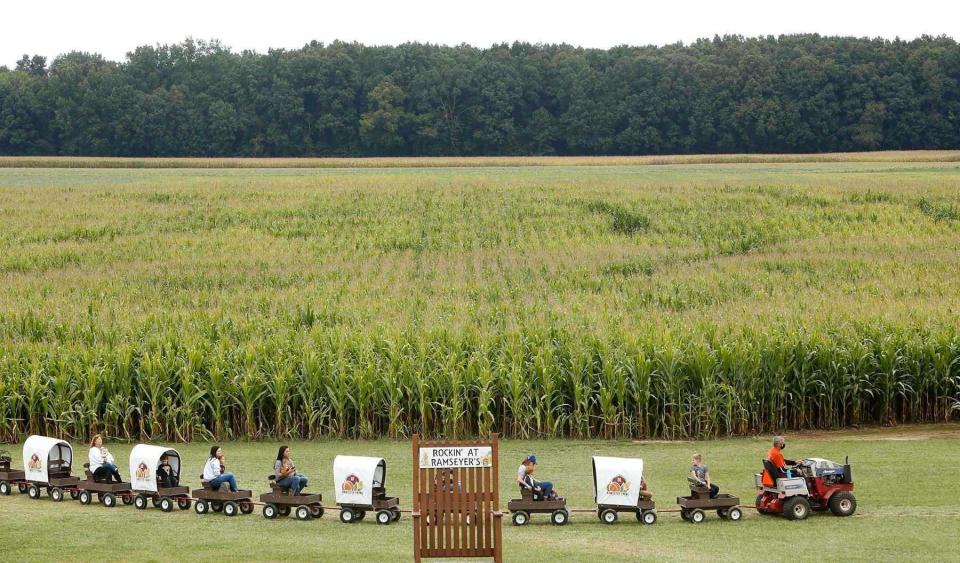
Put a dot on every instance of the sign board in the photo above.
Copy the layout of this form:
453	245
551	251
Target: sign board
456	500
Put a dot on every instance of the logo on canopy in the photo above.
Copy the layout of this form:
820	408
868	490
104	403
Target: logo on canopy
35	463
618	486
143	471
352	485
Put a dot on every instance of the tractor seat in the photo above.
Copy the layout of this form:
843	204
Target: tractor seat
771	469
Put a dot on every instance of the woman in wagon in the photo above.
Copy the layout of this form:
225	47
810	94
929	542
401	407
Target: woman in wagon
285	472
101	462
527	481
701	475
214	472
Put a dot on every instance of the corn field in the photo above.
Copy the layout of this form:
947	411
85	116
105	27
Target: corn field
606	301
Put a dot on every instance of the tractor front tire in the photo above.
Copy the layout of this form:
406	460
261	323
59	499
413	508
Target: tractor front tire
843	504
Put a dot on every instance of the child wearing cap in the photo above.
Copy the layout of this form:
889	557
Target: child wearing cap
526	479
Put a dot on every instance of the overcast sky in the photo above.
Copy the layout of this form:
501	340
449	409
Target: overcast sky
114	27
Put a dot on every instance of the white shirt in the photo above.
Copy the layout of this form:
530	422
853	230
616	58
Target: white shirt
522	474
97	460
212	469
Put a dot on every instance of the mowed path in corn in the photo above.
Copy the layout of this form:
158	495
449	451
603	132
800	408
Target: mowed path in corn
908	507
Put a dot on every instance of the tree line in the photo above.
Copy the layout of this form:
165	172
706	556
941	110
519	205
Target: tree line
795	93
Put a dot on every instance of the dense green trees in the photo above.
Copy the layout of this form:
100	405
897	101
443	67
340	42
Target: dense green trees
798	93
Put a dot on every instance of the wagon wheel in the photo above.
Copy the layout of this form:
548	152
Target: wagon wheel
520	518
74	493
734	514
183	503
230	508
347	516
316	510
649	517
384	517
303	512
560	517
684	514
5	488
33	491
608	516
156	502
396	514
108	500
216	506
139	501
56	493
126	499
283	510
166	504
22	487
722	513
697	516
201	507
361	514
246	507
269	511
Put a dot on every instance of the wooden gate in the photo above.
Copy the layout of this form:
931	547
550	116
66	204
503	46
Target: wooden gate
456	499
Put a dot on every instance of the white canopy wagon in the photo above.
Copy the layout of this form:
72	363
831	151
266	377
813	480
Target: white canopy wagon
617	488
48	462
360	483
148	484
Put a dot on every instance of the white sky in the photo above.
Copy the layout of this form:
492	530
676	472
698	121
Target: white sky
114	27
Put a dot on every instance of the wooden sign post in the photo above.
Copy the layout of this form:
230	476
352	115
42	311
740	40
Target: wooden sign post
456	499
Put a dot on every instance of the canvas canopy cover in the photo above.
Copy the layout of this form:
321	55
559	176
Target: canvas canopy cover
144	460
616	480
40	452
355	477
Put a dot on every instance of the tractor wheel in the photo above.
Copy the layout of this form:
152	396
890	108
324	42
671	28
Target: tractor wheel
5	488
201	507
560	517
608	516
166	504
183	503
347	516
520	518
85	497
648	518
302	512
33	491
317	511
246	506
269	511
139	501
796	508
108	500
697	516
56	493
843	504
230	508
384	517
734	514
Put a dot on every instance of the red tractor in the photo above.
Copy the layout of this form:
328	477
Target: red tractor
813	484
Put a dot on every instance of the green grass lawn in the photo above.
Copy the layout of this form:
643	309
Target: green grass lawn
908	507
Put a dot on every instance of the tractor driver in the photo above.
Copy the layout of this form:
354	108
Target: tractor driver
775	456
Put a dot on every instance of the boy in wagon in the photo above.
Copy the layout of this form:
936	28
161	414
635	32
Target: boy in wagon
526	479
701	474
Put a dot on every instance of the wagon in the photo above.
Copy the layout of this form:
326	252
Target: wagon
222	499
280	501
693	508
48	463
361	487
531	502
107	492
145	484
616	484
10	477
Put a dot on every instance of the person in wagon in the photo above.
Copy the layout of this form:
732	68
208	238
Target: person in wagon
700	473
166	476
285	472
526	480
101	462
214	472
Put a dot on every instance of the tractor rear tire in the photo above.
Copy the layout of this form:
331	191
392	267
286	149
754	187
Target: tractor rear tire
843	504
796	508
